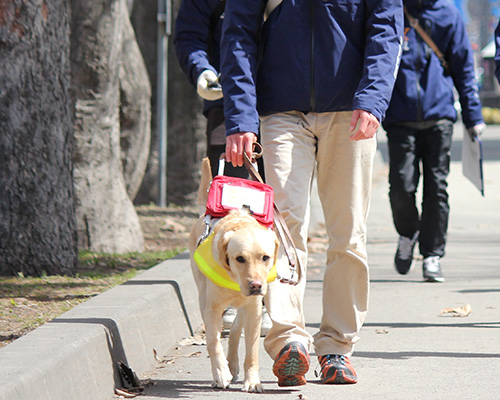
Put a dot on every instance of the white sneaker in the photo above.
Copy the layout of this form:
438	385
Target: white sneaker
266	322
230	315
432	270
228	318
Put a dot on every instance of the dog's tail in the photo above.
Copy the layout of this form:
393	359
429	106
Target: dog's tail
206	178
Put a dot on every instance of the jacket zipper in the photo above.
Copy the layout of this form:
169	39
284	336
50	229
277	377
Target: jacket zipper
312	99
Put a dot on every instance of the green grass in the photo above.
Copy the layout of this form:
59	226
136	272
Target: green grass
28	302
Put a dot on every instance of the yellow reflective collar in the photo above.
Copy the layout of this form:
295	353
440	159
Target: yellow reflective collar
208	266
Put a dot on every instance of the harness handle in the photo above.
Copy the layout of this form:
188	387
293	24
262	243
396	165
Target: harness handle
257	153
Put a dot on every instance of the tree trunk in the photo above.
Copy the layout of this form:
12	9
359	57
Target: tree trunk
186	125
37	220
135	111
106	218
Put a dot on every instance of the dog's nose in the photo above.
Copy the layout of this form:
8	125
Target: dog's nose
255	287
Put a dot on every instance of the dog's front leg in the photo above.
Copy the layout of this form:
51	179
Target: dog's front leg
253	320
213	326
234	341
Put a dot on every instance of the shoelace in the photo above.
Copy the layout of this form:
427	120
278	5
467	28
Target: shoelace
326	360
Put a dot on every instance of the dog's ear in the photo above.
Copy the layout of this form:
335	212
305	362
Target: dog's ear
222	248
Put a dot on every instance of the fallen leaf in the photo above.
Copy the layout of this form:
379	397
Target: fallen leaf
457	311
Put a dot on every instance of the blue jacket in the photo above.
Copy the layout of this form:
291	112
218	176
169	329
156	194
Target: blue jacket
423	91
497	52
309	56
197	40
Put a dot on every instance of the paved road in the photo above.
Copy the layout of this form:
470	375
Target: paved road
407	350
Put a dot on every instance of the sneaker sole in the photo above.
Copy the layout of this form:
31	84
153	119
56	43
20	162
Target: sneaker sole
433	279
291	367
339	378
403	271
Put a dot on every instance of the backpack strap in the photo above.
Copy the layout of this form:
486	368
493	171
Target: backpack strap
427	39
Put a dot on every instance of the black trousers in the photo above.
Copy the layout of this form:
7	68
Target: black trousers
216	145
413	152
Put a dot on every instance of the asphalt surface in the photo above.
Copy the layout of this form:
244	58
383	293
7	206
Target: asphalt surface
408	349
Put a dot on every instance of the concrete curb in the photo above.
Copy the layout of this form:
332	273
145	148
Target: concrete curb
75	355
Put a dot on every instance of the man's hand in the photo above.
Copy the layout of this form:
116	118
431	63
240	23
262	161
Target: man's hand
368	125
237	144
208	86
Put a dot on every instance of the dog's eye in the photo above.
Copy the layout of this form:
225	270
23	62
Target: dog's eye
240	259
266	258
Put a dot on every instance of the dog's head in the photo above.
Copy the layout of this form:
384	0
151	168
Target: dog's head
247	250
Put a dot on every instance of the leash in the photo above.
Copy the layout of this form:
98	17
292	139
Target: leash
284	235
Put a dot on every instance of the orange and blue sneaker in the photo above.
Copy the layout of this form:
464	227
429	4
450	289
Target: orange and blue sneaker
291	365
336	369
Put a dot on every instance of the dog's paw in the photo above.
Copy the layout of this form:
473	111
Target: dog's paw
222	379
253	387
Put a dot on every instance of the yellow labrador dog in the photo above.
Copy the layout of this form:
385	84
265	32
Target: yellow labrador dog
246	251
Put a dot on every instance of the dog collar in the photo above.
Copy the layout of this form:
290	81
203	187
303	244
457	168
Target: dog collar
212	270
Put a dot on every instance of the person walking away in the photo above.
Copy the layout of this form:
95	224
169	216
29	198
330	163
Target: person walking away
419	125
320	93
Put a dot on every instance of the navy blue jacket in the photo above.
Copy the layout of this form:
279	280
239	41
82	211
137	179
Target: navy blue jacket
497	51
197	40
423	91
309	56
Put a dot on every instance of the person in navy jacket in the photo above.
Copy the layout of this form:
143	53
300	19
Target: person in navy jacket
419	125
316	78
197	44
497	52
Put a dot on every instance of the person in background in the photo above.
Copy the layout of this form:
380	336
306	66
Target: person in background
419	125
319	74
197	43
497	52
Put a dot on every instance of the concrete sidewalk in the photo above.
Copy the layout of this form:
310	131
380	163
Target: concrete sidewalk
407	350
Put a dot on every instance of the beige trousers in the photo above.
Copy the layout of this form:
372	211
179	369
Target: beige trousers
294	145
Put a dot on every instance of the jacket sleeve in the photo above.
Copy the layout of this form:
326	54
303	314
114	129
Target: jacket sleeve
192	31
461	62
384	36
239	53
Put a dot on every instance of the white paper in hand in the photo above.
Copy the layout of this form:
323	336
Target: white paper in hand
472	160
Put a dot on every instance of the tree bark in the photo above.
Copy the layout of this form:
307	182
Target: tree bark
135	111
37	220
106	218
